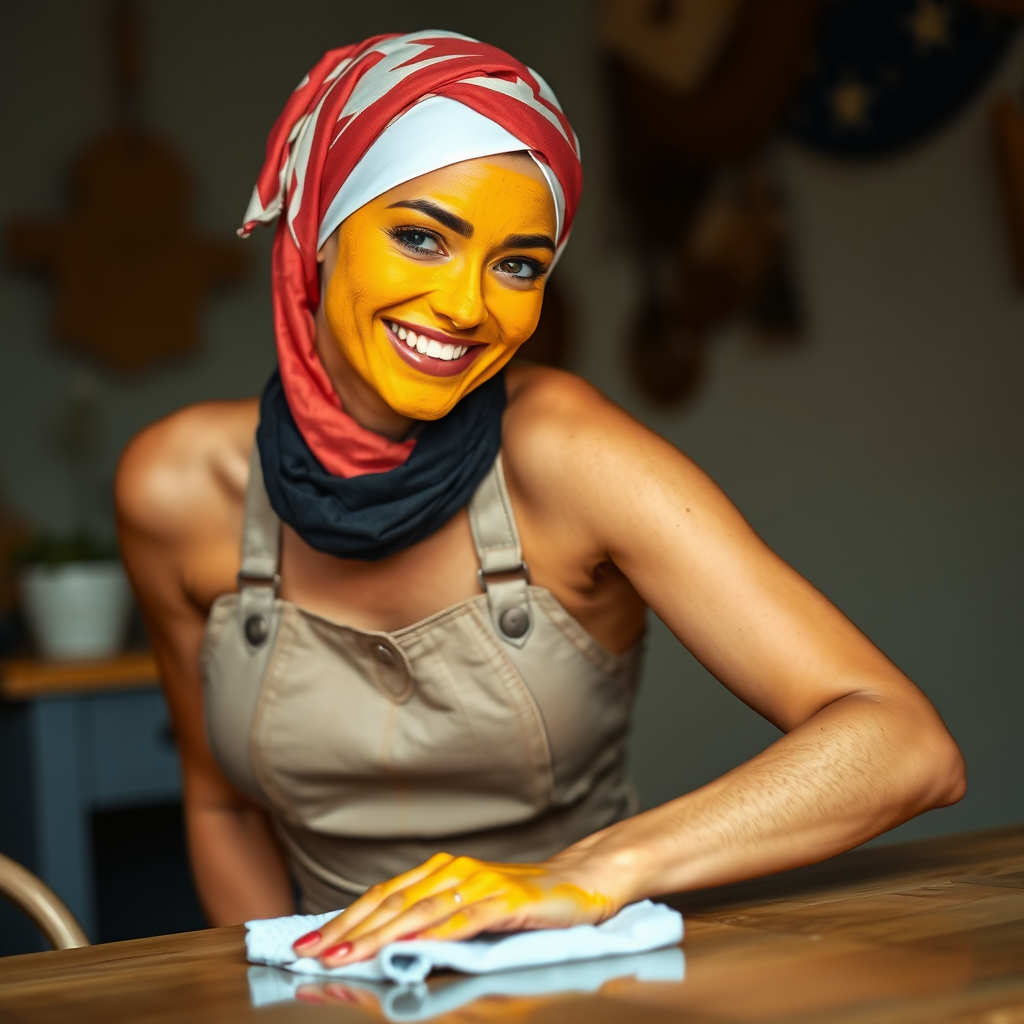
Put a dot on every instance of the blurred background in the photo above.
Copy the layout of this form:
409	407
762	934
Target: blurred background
795	259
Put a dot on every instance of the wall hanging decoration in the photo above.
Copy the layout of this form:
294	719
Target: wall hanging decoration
886	74
1008	141
697	89
130	271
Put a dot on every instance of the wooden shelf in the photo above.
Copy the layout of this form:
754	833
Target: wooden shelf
28	678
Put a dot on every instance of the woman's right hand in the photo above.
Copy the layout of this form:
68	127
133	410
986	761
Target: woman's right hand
455	898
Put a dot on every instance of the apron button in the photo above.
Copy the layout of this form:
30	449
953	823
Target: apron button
256	630
383	654
514	622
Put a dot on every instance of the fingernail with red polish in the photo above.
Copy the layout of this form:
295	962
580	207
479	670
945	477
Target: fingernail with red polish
342	949
407	938
307	940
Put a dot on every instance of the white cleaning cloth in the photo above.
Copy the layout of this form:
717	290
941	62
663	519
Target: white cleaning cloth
635	929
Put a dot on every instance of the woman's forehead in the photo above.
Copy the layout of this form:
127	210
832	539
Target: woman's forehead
513	178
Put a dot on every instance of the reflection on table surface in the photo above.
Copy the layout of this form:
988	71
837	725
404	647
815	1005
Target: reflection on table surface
922	932
506	995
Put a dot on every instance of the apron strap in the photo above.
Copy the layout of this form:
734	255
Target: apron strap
503	574
258	579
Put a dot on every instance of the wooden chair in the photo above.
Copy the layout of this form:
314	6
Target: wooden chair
46	909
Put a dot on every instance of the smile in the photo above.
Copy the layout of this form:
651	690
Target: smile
424	350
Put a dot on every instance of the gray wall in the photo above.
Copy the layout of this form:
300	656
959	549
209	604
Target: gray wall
883	459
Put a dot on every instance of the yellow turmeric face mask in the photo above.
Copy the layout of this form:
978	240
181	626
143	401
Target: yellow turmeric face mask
439	281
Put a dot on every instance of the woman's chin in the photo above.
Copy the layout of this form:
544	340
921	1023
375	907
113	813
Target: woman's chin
422	408
430	398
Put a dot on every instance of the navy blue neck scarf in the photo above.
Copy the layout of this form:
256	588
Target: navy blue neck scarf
372	516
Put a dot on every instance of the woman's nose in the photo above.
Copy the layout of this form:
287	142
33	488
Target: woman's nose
460	299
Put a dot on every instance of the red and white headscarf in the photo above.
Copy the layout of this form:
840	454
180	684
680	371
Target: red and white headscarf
363	121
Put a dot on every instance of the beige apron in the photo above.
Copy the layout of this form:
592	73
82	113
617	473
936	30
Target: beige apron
495	728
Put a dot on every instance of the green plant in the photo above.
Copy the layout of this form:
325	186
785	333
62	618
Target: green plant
54	550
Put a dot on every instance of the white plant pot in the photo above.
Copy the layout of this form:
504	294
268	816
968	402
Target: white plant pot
78	610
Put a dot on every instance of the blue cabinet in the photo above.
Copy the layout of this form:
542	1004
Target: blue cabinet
85	752
128	748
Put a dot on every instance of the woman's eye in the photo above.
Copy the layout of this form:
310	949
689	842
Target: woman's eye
523	270
419	241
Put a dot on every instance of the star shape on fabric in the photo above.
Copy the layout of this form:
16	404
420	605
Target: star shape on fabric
851	101
929	25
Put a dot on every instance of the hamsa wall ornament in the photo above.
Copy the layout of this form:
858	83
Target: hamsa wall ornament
131	273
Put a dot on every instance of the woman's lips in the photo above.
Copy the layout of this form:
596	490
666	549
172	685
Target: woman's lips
419	355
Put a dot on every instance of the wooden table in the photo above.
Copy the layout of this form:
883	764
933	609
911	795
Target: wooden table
922	932
97	736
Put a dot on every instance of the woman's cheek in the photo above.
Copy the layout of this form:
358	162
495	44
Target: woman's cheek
340	310
394	281
353	300
370	272
517	315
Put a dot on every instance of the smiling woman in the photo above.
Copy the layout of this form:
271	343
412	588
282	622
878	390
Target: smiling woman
401	635
454	259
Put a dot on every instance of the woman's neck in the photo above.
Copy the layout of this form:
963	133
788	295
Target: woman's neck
358	399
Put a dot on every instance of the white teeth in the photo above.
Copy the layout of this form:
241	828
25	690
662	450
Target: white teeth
426	346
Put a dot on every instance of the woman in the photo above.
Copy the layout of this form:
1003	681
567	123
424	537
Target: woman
425	669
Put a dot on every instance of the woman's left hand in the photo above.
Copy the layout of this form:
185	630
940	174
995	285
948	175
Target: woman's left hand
455	898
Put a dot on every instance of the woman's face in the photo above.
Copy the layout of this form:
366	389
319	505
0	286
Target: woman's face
439	281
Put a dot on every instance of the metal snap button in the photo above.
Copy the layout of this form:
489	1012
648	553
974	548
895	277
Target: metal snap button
257	629
514	622
383	654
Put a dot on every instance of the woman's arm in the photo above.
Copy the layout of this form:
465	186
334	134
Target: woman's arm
864	749
177	493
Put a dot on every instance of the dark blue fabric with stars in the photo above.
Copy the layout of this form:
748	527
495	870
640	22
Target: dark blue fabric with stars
886	73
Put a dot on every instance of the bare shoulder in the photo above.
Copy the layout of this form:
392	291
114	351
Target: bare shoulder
534	390
559	430
551	409
178	472
597	478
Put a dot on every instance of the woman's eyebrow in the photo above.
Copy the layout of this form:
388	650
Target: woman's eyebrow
439	213
528	242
